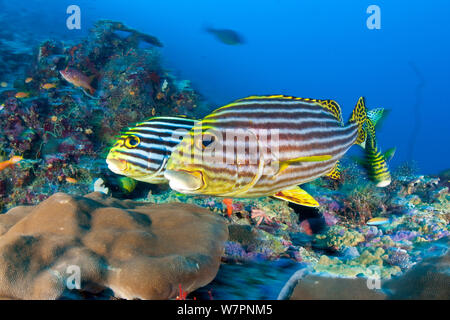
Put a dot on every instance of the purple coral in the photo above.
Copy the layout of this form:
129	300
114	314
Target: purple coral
403	235
400	258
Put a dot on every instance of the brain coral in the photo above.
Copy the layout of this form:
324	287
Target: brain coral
133	250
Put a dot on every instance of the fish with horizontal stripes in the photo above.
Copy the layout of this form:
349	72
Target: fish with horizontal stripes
266	146
142	151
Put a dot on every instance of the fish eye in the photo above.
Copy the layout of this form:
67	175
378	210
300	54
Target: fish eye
206	140
132	142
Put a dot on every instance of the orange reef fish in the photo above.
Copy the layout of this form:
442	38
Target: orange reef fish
28	80
71	180
9	163
229	203
21	95
48	86
78	79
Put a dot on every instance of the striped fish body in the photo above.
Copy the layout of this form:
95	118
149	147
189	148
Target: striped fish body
262	145
375	163
141	152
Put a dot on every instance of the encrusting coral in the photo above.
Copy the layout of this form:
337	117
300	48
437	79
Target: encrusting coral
131	250
427	280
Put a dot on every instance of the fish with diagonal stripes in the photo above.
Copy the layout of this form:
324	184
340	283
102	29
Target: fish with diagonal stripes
141	152
268	145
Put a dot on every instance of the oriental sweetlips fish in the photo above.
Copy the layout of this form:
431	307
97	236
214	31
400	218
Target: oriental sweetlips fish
141	152
374	161
267	146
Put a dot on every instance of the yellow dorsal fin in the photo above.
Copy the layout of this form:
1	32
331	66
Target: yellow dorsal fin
332	107
335	173
298	196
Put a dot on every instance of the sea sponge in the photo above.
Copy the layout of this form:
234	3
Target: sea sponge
134	250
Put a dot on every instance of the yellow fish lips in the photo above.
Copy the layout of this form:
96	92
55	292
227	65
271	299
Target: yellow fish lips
184	181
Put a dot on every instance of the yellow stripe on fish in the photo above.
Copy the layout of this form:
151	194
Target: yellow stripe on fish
261	145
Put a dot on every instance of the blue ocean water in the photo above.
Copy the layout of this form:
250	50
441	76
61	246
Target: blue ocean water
306	48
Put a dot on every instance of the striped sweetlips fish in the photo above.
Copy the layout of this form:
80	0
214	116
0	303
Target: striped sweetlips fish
268	145
141	152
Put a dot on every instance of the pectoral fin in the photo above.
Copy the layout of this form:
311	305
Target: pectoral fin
311	159
298	196
283	165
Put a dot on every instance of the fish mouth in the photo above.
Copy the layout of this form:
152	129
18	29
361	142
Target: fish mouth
116	165
184	181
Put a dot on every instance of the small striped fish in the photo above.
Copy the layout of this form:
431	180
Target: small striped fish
377	221
287	141
374	161
141	152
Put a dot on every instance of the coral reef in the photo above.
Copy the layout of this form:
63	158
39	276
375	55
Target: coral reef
427	280
330	242
123	249
62	131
